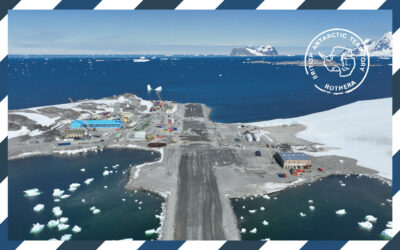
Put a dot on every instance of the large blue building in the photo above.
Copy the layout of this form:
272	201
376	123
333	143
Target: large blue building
97	123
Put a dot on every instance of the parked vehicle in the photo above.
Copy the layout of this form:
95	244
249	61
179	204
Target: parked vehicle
320	169
258	153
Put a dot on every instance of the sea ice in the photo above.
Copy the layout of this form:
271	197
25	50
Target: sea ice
312	208
57	211
72	189
262	208
115	166
73	186
253	211
83	200
150	232
32	192
243	230
105	187
96	211
88	181
265	223
65	196
38	208
66	237
365	225
140	208
63	219
253	231
62	227
389	200
275	198
140	203
265	196
123	200
106	172
341	212
389	224
92	208
388	234
371	218
56	200
53	223
37	228
243	207
83	170
310	201
241	217
342	184
302	214
76	229
58	192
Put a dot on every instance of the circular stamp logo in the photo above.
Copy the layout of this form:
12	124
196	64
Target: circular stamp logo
337	61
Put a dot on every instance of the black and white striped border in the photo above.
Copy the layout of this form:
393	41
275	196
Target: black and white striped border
196	5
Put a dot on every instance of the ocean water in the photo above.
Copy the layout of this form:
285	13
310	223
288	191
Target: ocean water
236	91
360	197
118	219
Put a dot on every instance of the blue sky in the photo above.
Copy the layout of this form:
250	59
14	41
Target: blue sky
180	32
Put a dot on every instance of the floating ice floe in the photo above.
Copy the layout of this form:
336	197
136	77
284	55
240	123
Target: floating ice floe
56	200
371	218
389	224
64	220
62	227
253	211
243	207
136	201
262	208
275	198
96	211
76	229
123	199
83	200
365	225
150	232
58	192
66	237
312	208
105	187
106	172
243	230
140	203
389	200
140	208
32	192
38	208
73	186
37	228
341	212
342	184
251	198
92	208
387	234
83	170
53	223
88	181
241	217
265	196
57	211
265	223
310	201
253	231
302	214
115	166
65	196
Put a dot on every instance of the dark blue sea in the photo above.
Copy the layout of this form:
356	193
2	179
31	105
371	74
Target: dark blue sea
236	91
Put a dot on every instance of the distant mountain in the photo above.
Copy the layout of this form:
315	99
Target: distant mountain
381	47
251	51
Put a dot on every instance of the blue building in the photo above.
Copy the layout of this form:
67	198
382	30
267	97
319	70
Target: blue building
97	123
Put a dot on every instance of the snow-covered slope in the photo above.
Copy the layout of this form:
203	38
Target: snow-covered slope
360	130
381	47
263	50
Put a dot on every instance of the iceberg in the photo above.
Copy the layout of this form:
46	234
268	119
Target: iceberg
275	198
266	197
243	207
105	187
253	231
302	214
312	208
88	181
262	208
140	203
243	230
56	200
62	227
341	212
83	200
265	223
389	224
37	228
38	208
241	217
83	170
123	200
76	229
72	189
96	211
310	201
53	223
58	192
371	218
92	208
115	166
57	211
253	211
73	186
65	196
387	234
342	184
32	192
150	232
66	237
365	225
63	219
106	172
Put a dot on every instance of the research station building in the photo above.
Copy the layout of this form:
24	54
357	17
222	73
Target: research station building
96	124
289	160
